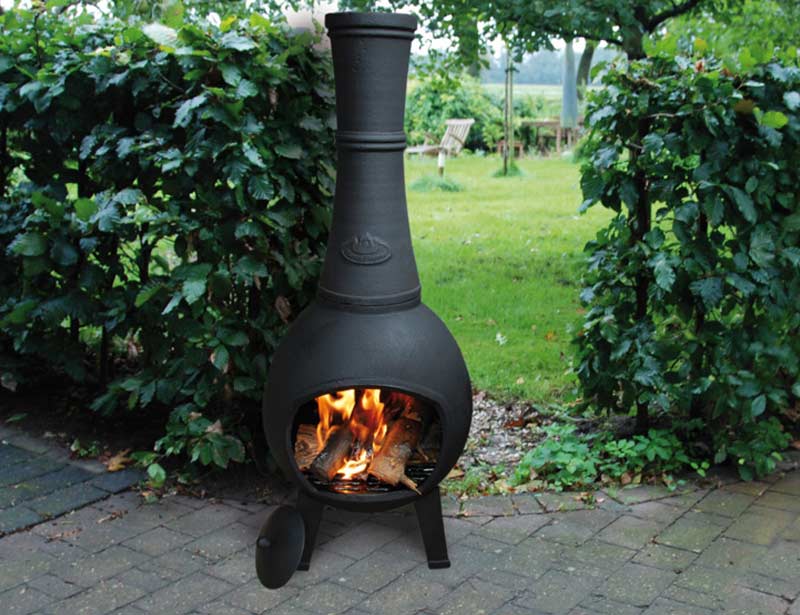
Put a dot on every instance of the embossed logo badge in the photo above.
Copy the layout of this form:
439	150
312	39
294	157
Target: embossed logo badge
366	249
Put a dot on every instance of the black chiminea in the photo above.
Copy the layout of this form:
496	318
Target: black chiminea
368	403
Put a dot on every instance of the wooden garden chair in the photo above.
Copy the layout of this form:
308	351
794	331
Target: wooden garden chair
453	140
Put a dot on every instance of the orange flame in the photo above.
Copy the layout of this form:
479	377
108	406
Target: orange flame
366	420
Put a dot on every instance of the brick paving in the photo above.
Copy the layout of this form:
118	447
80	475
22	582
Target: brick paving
731	549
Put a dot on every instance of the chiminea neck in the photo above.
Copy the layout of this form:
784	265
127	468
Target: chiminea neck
370	260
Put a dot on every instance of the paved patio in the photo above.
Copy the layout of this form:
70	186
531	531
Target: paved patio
732	549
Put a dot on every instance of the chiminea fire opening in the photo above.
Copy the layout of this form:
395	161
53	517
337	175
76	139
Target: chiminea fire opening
368	402
367	440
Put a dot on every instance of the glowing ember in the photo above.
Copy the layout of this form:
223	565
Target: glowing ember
365	416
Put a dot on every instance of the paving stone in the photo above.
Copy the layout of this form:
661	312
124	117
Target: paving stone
754	488
789	484
151	579
557	592
565	532
29	469
664	606
220	608
693	598
744	601
401	597
769	585
655	511
602	605
456	529
637	585
326	598
693	532
600	555
23	600
374	571
760	525
105	597
92	535
10	454
490	506
54	586
781	501
114	482
66	499
451	506
362	540
465	563
237	568
792	531
94	568
324	565
527	503
562	502
727	553
667	558
157	541
42	485
630	532
193	591
255	598
16	518
504	579
685	500
201	521
180	560
594	519
635	494
706	581
223	542
409	545
513	530
474	596
511	608
23	568
781	560
724	503
531	558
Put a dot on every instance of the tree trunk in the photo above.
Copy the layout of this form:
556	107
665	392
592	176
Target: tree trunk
508	113
584	68
569	99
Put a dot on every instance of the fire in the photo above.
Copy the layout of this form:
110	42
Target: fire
363	414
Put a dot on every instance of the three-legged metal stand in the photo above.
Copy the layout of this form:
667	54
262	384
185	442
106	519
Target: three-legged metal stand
429	515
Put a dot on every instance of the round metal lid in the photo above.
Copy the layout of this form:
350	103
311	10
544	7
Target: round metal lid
279	546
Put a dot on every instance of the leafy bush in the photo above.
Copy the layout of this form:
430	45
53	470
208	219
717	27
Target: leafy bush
164	202
567	459
432	101
693	289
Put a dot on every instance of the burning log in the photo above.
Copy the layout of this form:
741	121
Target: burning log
389	463
334	453
306	447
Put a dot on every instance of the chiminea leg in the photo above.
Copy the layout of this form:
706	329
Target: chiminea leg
311	511
429	515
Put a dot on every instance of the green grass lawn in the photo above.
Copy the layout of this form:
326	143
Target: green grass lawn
501	263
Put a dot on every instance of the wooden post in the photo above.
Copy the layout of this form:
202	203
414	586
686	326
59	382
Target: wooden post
440	160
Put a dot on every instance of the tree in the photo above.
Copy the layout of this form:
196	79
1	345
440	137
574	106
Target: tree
531	24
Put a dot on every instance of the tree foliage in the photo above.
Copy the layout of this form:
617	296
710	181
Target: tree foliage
164	201
714	341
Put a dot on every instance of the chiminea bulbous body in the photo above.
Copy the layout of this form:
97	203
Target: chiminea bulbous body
367	331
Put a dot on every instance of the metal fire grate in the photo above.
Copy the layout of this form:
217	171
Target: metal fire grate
417	472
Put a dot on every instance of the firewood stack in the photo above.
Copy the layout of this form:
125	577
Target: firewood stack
407	435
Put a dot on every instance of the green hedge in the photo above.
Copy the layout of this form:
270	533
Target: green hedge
693	289
164	203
